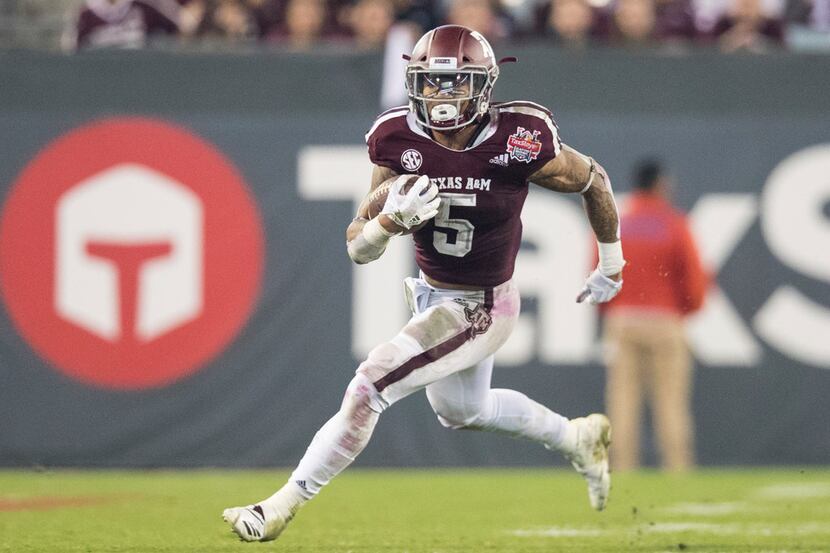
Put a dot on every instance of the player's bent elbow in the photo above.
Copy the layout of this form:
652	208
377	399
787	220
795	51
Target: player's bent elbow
358	261
362	254
356	258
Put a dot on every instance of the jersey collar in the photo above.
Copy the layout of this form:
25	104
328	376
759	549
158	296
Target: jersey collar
483	135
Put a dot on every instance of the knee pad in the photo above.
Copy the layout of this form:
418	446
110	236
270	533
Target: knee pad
387	357
383	359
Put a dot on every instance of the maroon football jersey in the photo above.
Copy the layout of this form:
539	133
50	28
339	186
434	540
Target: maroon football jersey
476	235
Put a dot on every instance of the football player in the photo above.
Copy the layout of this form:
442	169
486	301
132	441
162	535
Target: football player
474	160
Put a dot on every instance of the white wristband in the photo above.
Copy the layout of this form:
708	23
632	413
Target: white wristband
375	234
370	243
611	259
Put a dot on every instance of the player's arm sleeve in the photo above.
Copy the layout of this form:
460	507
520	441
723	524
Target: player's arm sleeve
693	278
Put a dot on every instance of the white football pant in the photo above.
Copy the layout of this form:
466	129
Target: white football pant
447	347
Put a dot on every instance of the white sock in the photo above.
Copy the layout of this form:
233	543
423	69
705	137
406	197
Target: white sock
333	448
284	503
567	443
516	414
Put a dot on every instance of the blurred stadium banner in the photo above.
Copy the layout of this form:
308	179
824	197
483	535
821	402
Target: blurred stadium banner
176	290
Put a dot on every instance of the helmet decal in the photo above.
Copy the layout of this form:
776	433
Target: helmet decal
488	50
443	63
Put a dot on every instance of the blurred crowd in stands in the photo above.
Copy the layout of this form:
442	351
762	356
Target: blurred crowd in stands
300	25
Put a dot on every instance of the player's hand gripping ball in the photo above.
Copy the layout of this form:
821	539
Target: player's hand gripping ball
409	200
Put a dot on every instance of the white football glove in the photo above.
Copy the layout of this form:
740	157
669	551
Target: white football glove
599	288
416	206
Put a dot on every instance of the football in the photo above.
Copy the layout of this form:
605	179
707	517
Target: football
373	203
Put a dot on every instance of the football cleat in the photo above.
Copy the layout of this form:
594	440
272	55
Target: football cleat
590	456
250	525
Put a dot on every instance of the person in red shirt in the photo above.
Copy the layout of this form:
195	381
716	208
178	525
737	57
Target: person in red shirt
647	356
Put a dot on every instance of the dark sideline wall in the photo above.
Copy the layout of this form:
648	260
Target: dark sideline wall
746	138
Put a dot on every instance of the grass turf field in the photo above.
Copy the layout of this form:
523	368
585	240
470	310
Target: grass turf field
429	511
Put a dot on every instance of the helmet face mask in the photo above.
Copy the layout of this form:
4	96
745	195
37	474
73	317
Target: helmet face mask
450	77
448	100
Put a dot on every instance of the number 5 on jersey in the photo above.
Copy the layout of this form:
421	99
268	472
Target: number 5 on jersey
462	227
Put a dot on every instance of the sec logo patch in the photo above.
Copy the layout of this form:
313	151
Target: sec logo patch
411	160
131	253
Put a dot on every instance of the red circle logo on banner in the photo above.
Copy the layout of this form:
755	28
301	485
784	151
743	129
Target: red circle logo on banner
131	253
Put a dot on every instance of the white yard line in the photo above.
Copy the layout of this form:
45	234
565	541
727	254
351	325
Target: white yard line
713	528
558	532
708	509
736	528
794	490
698	527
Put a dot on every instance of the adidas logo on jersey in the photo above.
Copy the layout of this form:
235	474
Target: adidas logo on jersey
500	160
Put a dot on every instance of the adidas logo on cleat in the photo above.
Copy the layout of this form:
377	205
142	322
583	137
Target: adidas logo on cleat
251	530
502	160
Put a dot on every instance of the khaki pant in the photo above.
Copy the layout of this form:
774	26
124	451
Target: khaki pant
648	359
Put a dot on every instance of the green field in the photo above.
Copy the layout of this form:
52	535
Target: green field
435	511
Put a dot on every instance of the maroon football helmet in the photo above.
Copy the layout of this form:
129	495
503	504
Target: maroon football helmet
450	76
